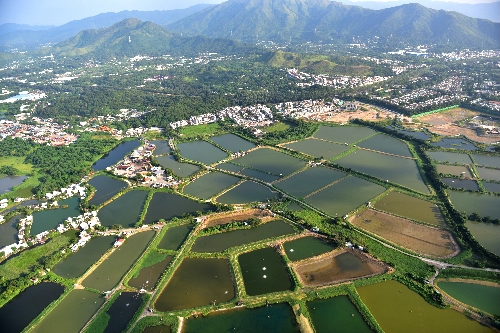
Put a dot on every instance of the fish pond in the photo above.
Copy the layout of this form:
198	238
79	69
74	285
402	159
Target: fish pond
263	319
487	234
270	160
415	134
482	297
22	309
106	188
454	144
179	169
201	151
317	148
264	272
49	219
344	134
166	206
247	192
233	142
386	144
451	158
8	182
210	184
162	147
487	161
398	309
79	262
306	247
337	314
222	241
125	210
311	179
410	207
394	169
483	204
174	237
258	175
197	282
149	276
115	155
8	231
344	196
491	187
111	270
489	174
461	183
122	311
456	170
75	310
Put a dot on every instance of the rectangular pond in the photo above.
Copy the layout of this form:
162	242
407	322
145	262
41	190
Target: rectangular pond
487	234
258	175
174	237
336	314
451	158
489	174
482	297
197	282
397	170
225	240
487	161
344	196
166	206
149	276
306	247
456	170
483	204
179	169
266	319
124	210
210	184
272	161
247	192
264	272
201	151
106	188
461	183
122	311
415	134
318	148
49	219
115	155
491	187
233	142
72	313
398	309
386	144
311	179
111	270
343	134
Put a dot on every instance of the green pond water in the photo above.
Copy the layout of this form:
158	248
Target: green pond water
197	282
306	247
344	196
106	188
271	161
149	276
201	151
483	204
259	175
318	148
410	207
485	160
343	134
272	318
111	270
179	169
157	329
309	180
232	142
486	234
336	314
489	174
77	263
386	144
264	272
162	147
397	170
72	313
122	311
491	187
230	167
398	309
225	240
461	183
8	231
168	205
456	170
485	298
441	156
247	192
49	219
125	210
174	237
210	184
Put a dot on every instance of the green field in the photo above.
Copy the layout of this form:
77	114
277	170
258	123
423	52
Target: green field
200	130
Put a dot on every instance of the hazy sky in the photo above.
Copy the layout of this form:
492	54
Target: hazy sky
57	12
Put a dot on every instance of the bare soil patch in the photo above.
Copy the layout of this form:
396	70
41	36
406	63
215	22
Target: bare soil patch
415	237
326	269
371	114
238	216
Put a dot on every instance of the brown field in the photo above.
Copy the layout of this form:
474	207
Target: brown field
325	269
443	123
371	115
412	236
238	216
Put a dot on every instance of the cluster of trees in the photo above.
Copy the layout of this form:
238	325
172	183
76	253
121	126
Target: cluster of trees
16	147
